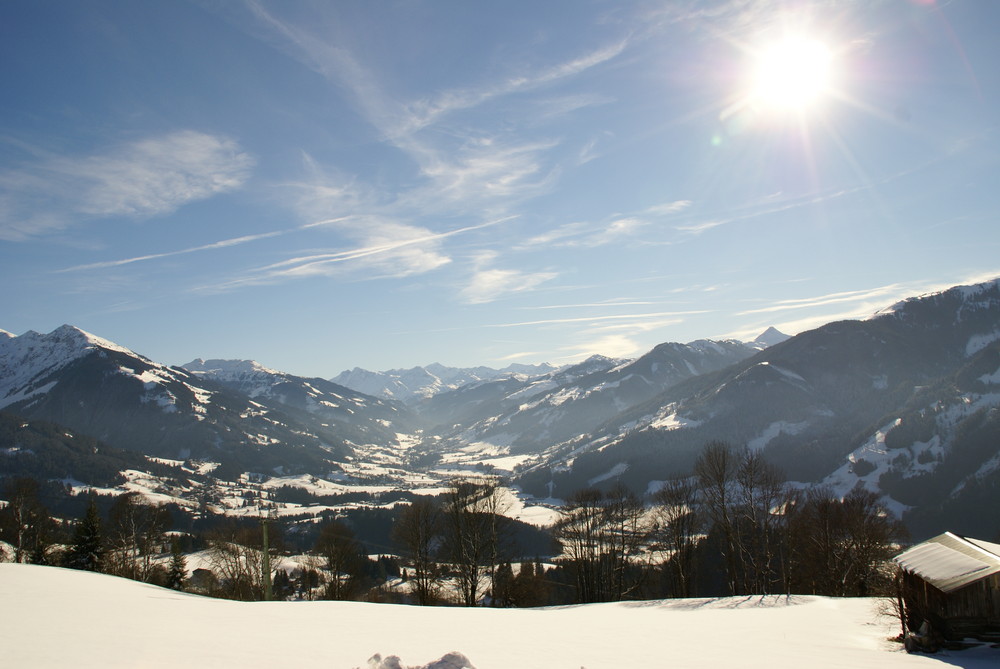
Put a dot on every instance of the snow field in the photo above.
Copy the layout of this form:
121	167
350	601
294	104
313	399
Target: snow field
57	618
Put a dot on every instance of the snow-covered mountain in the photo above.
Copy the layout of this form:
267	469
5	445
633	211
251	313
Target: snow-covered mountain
562	406
770	337
106	391
33	356
906	403
314	395
422	382
474	402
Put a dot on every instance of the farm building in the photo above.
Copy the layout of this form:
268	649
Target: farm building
952	583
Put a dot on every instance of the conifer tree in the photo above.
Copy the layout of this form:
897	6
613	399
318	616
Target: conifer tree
178	567
503	585
87	550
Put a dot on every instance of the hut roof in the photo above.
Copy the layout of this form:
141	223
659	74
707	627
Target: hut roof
949	562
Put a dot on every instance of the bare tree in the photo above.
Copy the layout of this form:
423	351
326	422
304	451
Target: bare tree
417	531
473	528
626	536
841	545
344	557
237	560
579	531
678	528
760	491
715	470
135	534
25	522
604	538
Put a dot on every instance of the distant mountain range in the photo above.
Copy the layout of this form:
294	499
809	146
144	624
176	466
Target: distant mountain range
532	416
905	403
423	382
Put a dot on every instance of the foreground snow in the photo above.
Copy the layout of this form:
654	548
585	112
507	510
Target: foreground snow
57	618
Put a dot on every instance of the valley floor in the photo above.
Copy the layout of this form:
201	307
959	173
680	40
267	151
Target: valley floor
51	617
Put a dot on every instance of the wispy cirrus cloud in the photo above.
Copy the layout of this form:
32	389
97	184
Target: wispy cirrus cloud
488	283
482	171
600	332
461	164
856	296
640	321
616	228
857	304
144	178
699	227
465	165
225	243
388	249
424	112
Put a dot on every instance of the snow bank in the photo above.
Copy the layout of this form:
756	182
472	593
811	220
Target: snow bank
62	618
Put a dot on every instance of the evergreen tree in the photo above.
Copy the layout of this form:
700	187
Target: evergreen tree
178	568
530	587
87	550
503	585
282	587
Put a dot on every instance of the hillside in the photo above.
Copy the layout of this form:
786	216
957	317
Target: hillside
906	403
81	619
260	421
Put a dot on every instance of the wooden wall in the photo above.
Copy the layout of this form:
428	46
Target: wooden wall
967	612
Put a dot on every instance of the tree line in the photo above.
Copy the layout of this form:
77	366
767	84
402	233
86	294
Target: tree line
733	527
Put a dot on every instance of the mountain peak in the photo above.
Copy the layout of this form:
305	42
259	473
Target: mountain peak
770	337
219	367
32	354
64	341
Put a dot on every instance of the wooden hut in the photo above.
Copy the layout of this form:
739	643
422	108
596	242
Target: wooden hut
952	583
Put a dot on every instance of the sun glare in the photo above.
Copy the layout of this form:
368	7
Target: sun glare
792	74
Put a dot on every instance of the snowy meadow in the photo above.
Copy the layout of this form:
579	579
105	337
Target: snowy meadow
55	617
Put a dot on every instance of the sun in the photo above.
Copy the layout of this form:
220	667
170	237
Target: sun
791	75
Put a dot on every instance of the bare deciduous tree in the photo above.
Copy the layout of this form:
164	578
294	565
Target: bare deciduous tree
135	534
579	531
474	528
760	491
715	470
417	531
344	557
841	545
604	538
25	522
678	528
237	560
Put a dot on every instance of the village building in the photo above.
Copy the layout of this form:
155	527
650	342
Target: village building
953	584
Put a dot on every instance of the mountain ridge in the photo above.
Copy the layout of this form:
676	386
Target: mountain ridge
921	378
905	403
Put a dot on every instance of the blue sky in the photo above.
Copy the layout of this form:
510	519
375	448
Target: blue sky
325	185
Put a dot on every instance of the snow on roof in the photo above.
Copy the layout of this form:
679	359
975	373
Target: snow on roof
985	545
949	562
